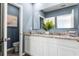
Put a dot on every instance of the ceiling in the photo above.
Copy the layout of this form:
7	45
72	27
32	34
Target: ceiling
46	7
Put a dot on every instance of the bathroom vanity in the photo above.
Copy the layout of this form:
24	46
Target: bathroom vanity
51	45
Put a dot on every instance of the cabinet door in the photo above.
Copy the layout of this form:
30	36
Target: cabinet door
26	44
65	51
37	46
67	47
51	47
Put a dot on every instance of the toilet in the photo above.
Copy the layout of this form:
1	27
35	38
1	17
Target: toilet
16	46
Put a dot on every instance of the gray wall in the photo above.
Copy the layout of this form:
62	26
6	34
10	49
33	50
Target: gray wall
28	9
27	16
37	14
65	11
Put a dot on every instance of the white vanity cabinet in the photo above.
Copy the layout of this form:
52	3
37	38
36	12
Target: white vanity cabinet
42	46
27	44
46	46
51	47
68	47
65	51
38	46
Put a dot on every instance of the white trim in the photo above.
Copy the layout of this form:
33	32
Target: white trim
23	54
42	16
20	27
27	52
73	18
16	5
5	29
21	31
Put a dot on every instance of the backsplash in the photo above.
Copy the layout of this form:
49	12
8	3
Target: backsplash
70	33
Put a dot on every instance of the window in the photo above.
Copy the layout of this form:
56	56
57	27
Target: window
65	21
41	22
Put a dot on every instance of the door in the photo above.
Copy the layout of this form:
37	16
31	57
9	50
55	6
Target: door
14	30
3	29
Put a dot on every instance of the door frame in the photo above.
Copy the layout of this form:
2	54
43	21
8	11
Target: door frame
20	27
4	28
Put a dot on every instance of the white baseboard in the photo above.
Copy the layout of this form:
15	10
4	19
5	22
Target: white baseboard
26	52
12	49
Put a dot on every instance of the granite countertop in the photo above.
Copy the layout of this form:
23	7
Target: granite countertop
54	36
